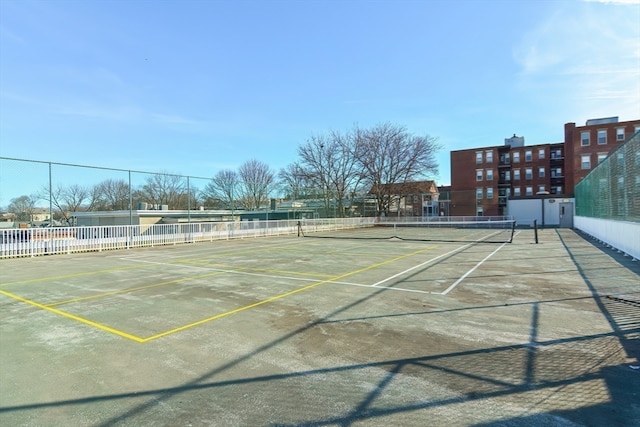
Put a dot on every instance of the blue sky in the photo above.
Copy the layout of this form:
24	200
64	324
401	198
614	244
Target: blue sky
192	87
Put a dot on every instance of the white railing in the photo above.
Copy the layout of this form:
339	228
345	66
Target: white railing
31	242
623	236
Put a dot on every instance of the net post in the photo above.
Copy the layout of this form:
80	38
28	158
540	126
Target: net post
513	230
535	229
300	229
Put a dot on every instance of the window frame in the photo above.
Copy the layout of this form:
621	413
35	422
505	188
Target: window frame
528	174
602	137
541	153
602	157
488	156
528	155
587	162
583	139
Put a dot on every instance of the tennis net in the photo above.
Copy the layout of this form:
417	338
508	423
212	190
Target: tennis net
447	229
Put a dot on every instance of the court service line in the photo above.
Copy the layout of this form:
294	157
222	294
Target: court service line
464	276
280	296
246	273
420	265
131	290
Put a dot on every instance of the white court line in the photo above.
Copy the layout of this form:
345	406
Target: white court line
271	276
246	273
464	276
420	265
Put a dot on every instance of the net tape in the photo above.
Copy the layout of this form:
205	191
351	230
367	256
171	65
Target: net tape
500	231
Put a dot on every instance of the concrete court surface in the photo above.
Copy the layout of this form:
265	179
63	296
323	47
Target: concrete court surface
295	331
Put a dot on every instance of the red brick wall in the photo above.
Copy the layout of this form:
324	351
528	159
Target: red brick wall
575	150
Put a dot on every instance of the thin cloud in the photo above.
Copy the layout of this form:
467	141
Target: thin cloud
613	1
586	59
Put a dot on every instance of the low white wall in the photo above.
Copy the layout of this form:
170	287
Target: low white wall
622	235
524	211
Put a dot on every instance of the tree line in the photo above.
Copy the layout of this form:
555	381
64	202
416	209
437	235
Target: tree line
333	167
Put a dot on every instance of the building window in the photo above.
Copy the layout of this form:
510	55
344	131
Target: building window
528	156
507	176
540	172
489	174
516	191
556	154
516	174
489	192
602	137
541	188
620	134
478	193
601	157
556	173
585	161
516	157
559	189
489	156
528	191
584	139
528	173
478	174
541	153
478	157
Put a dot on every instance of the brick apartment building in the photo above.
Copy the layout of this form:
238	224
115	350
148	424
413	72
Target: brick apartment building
483	179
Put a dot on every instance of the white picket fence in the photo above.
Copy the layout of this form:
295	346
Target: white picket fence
30	242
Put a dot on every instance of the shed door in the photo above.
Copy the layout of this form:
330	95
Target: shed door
566	215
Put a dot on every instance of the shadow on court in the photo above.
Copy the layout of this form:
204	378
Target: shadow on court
451	377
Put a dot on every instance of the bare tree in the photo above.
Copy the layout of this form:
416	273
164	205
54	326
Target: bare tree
293	182
256	183
65	200
111	194
22	208
327	161
222	190
388	154
164	189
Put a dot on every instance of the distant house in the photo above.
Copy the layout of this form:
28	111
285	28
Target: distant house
413	198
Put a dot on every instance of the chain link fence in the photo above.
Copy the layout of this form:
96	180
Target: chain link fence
612	189
41	194
38	193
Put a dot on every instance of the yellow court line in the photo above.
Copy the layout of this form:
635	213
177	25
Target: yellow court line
238	252
128	290
69	276
74	317
200	322
286	294
234	268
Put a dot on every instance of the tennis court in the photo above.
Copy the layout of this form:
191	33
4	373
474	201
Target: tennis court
293	331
